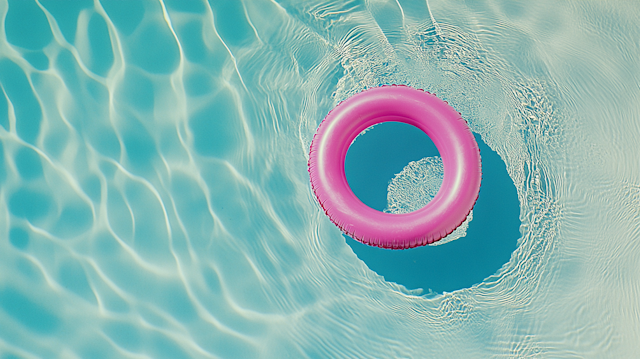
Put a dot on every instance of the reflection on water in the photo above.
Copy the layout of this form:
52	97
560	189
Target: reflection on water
154	197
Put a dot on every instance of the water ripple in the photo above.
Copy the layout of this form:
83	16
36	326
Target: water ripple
154	197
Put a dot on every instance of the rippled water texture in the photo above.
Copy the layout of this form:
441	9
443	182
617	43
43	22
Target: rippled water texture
155	200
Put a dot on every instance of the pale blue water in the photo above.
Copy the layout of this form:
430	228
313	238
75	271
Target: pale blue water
155	201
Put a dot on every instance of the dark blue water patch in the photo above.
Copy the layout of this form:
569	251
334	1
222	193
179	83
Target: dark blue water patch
25	105
4	111
72	75
175	300
198	83
56	142
191	204
139	145
18	238
491	237
231	22
74	220
284	198
375	157
73	277
30	204
66	14
154	49
137	89
92	187
3	168
107	247
185	6
29	271
104	139
217	127
163	347
97	348
125	15
37	59
100	46
26	25
98	91
125	335
193	46
28	163
30	314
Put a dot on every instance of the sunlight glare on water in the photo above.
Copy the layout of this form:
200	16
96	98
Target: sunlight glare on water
155	199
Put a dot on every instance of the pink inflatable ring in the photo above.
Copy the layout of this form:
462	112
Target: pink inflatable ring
446	128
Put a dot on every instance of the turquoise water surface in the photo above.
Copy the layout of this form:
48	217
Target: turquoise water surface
155	200
479	251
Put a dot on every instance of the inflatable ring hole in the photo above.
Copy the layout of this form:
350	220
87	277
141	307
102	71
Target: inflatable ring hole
381	152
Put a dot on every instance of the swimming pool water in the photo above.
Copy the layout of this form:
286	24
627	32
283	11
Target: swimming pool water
485	245
155	200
